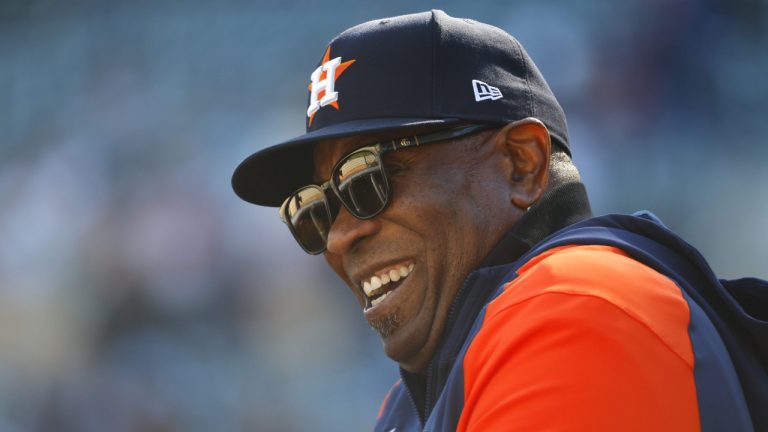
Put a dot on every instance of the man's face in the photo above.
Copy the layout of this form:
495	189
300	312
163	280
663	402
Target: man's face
442	219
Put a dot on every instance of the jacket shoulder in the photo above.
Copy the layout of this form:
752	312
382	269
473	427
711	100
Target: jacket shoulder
607	274
588	328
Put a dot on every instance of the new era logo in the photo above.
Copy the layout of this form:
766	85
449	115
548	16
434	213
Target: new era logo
484	91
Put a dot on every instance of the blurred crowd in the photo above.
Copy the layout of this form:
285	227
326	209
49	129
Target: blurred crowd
138	294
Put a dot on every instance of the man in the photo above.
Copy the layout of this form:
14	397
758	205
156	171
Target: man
435	178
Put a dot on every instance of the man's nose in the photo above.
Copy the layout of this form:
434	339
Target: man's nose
347	231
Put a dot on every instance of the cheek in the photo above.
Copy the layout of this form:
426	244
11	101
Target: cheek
457	215
436	210
444	203
435	190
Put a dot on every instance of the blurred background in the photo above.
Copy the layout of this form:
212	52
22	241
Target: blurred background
137	293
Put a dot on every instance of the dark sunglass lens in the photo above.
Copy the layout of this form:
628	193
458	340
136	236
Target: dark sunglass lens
307	212
361	184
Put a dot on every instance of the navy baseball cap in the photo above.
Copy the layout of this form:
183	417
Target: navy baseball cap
421	70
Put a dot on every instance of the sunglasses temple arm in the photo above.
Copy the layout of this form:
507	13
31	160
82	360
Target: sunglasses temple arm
414	141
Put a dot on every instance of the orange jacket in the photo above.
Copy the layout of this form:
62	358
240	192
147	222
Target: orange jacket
583	339
575	337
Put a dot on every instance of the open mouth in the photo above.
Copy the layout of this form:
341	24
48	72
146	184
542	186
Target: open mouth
384	282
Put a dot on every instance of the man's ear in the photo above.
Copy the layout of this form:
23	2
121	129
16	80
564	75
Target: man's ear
526	147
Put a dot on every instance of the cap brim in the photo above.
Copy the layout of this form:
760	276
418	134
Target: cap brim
268	176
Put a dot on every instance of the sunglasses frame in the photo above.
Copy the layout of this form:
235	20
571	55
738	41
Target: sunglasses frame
378	149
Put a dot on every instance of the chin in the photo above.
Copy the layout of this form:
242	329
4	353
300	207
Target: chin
410	348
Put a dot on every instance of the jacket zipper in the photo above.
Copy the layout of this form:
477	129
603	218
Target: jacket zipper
410	398
428	399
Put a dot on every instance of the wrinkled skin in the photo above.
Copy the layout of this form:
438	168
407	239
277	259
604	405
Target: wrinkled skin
451	203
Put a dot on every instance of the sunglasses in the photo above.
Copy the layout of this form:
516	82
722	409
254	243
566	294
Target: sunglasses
359	182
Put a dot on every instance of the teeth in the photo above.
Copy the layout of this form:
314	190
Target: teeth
394	275
385	277
378	300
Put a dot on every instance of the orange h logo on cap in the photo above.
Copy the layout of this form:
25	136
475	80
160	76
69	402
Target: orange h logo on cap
322	89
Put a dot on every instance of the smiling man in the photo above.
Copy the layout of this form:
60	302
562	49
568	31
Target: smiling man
407	264
435	177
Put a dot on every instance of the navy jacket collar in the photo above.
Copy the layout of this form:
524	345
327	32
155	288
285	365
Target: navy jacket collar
562	206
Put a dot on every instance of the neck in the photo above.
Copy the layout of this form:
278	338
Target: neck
561	206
